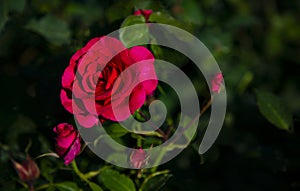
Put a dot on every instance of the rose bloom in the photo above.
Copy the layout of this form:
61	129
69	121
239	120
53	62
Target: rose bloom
146	13
67	142
95	69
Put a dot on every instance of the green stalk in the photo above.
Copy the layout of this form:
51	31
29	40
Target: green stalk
163	151
77	171
42	187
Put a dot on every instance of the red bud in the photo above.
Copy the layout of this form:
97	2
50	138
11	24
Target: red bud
28	170
138	158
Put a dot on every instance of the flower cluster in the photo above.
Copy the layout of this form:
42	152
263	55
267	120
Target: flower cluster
92	92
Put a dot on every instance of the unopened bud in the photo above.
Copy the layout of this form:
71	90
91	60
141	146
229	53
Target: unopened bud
28	170
138	158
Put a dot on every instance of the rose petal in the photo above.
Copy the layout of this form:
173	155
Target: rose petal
73	151
88	45
66	135
87	120
66	101
145	70
121	111
146	13
91	91
65	142
139	53
68	76
137	99
137	12
150	86
88	84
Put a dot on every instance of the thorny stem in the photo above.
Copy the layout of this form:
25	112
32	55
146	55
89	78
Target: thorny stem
88	175
77	171
84	177
207	105
52	154
31	187
202	111
43	187
154	127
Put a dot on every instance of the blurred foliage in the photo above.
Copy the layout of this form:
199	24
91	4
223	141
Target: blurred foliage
256	44
113	180
47	27
274	110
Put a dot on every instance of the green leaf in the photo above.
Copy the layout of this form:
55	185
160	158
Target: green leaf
56	31
169	34
274	109
22	124
95	187
51	188
79	10
16	5
151	141
47	170
169	55
163	18
116	130
155	181
133	20
7	6
117	158
115	181
134	35
192	12
3	18
66	186
159	17
119	10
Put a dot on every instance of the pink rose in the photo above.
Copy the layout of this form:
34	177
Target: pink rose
138	158
216	82
144	12
95	69
67	142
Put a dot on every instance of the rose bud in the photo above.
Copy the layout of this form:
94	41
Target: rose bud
67	142
138	158
28	170
144	12
216	83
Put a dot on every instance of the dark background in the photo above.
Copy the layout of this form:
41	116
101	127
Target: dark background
256	44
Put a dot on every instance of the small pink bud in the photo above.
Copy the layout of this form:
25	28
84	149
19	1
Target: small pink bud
146	13
216	83
138	158
28	170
